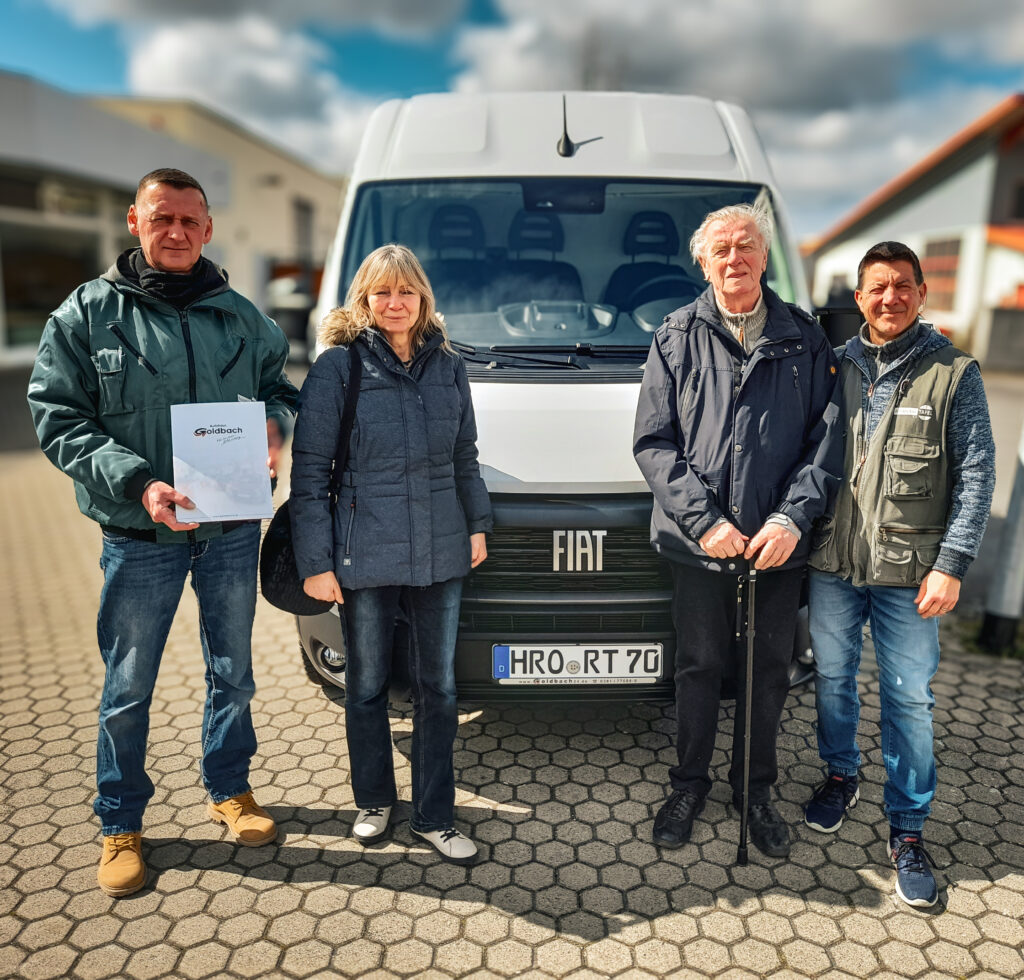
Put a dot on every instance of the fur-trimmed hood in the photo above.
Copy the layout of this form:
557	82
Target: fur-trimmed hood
342	326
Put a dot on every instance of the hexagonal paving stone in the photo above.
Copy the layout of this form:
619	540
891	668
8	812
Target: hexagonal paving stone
658	956
560	799
203	960
458	957
408	957
510	958
805	958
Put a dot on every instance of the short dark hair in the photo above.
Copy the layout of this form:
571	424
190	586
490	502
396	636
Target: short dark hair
173	178
890	252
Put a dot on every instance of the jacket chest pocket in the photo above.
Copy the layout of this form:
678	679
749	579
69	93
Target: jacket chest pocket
119	373
237	368
910	462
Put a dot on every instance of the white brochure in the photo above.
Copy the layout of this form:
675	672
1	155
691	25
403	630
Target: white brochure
220	460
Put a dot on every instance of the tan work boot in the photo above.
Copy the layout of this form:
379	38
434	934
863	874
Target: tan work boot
246	819
121	870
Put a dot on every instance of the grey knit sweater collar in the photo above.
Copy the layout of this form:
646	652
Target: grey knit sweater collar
746	327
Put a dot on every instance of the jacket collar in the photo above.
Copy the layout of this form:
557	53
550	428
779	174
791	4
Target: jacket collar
377	344
930	340
221	297
779	326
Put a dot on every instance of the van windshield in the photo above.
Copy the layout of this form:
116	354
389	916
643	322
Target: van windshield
582	264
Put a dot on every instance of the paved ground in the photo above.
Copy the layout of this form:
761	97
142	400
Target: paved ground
560	801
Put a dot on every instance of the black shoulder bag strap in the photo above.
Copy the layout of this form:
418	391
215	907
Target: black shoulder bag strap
348	418
279	576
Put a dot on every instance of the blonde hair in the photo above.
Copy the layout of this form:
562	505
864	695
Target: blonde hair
387	264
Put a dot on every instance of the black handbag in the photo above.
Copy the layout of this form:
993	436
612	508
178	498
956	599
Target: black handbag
279	577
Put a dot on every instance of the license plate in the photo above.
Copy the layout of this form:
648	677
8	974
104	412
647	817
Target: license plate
576	664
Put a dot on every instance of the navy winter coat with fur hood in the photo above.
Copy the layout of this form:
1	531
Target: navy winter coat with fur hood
722	434
412	492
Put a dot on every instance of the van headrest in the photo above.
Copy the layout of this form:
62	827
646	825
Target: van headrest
651	232
537	231
456	226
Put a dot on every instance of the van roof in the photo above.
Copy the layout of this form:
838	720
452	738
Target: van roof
617	134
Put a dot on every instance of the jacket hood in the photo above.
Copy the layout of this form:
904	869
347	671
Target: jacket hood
122	275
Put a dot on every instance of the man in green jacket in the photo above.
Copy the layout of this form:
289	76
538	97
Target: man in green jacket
161	327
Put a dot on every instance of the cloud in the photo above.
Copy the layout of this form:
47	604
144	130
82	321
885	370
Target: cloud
827	163
401	17
846	94
273	80
800	54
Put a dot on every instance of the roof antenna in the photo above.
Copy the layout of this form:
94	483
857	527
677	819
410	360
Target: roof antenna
566	147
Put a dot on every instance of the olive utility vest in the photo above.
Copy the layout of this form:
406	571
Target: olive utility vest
891	511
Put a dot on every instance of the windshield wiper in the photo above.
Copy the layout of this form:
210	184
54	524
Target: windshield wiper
586	349
513	354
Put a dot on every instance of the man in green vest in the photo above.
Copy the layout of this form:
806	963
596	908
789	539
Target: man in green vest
907	522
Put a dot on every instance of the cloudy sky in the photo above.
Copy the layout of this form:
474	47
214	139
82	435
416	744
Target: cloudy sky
846	93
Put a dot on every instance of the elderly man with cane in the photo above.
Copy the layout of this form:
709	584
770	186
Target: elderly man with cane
736	434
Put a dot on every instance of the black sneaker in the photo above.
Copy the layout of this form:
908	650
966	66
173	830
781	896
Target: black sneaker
769	833
828	804
915	883
674	822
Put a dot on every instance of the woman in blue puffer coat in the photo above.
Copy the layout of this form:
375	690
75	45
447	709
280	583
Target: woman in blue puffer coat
408	524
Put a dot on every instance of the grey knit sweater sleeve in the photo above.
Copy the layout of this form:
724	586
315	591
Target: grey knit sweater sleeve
973	465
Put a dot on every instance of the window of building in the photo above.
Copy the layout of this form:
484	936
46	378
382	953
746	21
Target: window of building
939	264
1018	202
19	192
40	266
302	213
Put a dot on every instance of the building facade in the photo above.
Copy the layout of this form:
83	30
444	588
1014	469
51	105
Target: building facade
68	171
962	210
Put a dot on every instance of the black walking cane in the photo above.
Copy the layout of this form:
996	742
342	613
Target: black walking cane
748	688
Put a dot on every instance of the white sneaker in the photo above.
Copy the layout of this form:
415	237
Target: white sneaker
450	844
371	824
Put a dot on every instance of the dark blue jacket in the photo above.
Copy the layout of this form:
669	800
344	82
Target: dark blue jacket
721	434
412	491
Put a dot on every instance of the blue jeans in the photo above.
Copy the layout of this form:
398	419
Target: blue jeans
142	586
369	615
907	651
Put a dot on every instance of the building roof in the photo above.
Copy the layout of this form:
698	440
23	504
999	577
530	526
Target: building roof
47	129
218	118
1009	236
1004	122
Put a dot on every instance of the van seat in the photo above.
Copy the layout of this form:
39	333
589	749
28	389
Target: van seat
521	280
459	281
634	283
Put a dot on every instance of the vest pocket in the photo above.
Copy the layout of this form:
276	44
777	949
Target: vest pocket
908	466
822	532
904	555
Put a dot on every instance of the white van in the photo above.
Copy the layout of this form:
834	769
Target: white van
554	230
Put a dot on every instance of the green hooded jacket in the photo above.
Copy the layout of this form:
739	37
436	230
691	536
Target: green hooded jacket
111	362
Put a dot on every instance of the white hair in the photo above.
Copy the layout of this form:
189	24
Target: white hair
757	213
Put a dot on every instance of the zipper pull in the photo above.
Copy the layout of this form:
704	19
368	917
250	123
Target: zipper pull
871	389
